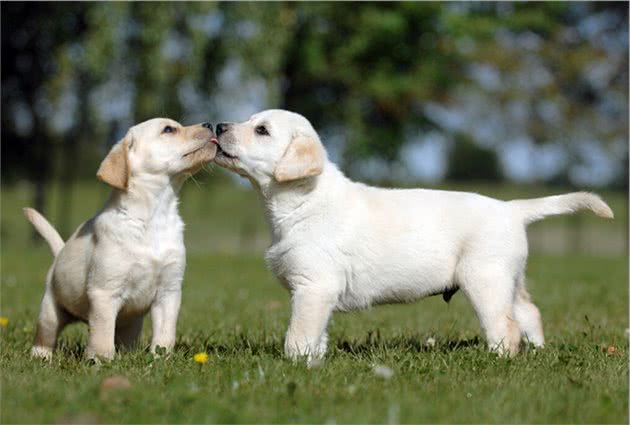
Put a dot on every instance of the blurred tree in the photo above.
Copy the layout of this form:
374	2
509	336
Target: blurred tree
78	75
552	73
545	72
30	36
379	75
467	161
363	69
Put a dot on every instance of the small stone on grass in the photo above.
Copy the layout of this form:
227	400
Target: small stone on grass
113	384
383	371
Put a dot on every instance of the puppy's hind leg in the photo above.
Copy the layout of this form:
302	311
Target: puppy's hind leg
128	335
528	316
490	289
52	320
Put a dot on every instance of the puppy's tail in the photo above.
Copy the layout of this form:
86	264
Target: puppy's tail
536	209
45	229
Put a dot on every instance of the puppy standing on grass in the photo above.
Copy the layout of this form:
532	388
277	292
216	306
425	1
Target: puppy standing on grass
130	257
341	245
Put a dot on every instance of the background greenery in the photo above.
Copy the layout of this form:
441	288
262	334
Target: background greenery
536	92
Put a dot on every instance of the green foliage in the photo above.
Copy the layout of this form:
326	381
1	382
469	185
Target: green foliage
363	71
469	161
367	69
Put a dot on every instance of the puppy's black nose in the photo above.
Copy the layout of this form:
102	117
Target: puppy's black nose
222	128
207	125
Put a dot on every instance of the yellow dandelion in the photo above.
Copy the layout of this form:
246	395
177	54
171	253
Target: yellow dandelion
200	358
4	321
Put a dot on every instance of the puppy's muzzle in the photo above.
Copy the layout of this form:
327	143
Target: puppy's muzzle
222	127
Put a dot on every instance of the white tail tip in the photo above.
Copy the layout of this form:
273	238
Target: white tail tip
600	208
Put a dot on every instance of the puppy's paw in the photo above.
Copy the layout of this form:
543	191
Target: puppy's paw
293	352
42	352
97	356
312	357
504	350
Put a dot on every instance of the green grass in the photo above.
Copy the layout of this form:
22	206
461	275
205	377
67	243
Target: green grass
234	310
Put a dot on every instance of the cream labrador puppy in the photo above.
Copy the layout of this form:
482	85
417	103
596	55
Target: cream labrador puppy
130	257
338	245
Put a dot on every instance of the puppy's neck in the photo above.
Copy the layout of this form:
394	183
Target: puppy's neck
290	202
147	197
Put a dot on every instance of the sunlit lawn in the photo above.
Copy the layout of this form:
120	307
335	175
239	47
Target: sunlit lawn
234	310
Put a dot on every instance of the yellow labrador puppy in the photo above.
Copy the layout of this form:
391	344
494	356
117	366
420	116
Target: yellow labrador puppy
342	245
130	257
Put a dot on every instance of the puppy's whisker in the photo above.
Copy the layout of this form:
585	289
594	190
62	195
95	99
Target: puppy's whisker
192	177
208	168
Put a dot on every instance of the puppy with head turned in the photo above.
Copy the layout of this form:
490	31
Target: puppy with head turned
129	258
339	245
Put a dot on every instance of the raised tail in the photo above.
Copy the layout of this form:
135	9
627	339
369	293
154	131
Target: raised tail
536	209
45	229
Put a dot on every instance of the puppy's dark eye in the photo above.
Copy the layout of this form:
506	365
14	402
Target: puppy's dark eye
262	130
168	129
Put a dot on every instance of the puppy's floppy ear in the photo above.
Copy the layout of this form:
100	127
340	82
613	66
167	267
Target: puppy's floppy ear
114	169
304	157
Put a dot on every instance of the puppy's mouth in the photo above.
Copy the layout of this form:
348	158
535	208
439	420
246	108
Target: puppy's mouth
205	145
222	152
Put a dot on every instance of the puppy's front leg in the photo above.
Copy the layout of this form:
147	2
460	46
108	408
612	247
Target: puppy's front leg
311	310
102	322
164	314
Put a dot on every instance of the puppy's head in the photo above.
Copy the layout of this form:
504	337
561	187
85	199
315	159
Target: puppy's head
272	145
158	146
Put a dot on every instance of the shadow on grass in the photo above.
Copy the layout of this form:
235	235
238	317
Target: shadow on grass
367	346
71	349
406	344
239	345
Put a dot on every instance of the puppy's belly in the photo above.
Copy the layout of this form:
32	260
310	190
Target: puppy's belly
394	287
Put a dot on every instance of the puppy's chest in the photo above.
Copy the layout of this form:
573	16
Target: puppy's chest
157	263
